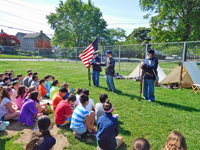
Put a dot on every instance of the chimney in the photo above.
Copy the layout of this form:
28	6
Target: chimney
41	35
1	31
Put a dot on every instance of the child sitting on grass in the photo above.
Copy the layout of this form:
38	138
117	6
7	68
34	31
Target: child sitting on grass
66	85
31	79
99	106
54	89
20	96
175	141
20	78
47	85
90	105
51	81
30	74
15	87
28	71
79	92
29	110
58	97
30	89
41	138
141	144
108	129
42	91
63	111
82	120
7	110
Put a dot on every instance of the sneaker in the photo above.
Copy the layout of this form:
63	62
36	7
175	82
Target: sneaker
3	125
108	90
113	91
91	132
150	100
78	136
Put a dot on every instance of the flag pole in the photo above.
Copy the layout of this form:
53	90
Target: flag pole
89	72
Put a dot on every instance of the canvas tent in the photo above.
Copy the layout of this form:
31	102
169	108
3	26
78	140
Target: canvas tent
137	72
190	75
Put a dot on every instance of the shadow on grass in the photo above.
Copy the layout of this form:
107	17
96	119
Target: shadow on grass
119	92
180	107
16	126
123	131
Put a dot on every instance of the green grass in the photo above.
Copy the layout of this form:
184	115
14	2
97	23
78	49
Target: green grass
4	56
172	110
7	142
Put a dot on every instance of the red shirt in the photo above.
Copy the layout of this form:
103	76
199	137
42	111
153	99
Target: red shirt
62	108
42	90
56	100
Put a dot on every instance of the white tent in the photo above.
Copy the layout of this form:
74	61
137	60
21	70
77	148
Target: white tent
137	72
190	75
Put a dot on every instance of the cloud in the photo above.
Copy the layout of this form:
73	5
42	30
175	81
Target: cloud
17	8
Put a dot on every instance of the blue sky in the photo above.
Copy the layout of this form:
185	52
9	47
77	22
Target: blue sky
125	14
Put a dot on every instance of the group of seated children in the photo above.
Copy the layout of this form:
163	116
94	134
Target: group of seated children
22	99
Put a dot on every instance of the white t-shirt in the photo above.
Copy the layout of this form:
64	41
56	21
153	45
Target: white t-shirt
3	109
76	103
90	105
12	97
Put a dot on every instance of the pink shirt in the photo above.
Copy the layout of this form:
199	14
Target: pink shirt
19	101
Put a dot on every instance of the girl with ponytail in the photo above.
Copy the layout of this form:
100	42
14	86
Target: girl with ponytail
41	138
175	141
108	129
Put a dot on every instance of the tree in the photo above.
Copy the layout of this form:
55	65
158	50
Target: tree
139	35
173	20
42	44
76	23
8	40
113	36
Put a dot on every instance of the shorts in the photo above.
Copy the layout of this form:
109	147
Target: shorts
116	147
80	130
67	121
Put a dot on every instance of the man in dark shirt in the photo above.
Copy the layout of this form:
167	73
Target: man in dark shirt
96	69
110	71
150	66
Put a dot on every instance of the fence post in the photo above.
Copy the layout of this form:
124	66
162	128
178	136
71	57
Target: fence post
184	52
101	53
119	55
68	55
146	50
38	54
76	54
60	54
19	54
54	55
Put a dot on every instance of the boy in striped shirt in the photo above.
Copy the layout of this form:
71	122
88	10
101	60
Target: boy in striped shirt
82	120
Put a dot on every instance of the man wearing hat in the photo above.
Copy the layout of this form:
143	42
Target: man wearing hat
149	66
96	68
110	71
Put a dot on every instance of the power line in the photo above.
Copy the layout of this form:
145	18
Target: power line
23	18
18	24
25	6
25	10
22	29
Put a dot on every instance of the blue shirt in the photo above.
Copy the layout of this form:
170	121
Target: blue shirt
78	117
107	130
150	67
47	87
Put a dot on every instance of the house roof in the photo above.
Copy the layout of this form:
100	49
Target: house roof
33	35
22	34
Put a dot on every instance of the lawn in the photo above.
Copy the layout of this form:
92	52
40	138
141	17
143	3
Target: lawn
177	110
5	56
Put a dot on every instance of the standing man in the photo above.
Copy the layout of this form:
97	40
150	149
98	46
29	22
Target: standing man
110	71
96	69
150	66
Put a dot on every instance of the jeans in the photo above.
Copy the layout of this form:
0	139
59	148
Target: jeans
110	82
95	78
148	89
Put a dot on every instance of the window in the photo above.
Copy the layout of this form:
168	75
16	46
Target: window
29	40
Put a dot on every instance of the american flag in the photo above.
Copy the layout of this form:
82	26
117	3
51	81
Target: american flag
87	54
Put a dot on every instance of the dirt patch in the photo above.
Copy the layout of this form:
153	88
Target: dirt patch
15	127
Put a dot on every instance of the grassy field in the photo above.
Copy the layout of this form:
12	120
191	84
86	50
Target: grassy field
4	56
177	110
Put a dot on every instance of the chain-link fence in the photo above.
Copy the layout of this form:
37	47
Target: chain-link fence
127	57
